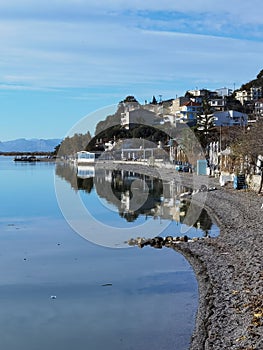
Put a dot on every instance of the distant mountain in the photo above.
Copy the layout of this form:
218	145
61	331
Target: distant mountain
32	145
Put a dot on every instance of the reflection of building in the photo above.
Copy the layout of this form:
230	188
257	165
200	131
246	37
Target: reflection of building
135	194
85	171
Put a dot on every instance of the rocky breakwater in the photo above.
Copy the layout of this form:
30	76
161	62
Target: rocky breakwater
229	271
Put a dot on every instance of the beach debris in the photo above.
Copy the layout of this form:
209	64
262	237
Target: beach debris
203	188
258	315
243	337
234	292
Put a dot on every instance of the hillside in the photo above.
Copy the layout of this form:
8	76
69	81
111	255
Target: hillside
258	82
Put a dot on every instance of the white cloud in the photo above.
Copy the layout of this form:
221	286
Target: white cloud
247	12
109	50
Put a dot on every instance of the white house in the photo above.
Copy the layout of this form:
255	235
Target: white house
218	104
224	92
189	111
137	116
169	118
230	118
244	96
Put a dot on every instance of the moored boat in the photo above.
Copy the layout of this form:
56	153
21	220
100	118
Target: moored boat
26	159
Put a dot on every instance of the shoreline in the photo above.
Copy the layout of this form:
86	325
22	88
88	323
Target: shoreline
228	268
229	273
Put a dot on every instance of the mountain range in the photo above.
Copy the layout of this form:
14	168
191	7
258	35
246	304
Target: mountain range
32	145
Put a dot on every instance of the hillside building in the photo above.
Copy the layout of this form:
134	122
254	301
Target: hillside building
230	118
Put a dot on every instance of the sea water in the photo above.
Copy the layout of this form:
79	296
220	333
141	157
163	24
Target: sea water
62	289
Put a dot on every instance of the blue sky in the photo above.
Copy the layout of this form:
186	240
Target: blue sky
63	60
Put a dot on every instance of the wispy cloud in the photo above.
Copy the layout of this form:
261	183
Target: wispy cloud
77	44
246	12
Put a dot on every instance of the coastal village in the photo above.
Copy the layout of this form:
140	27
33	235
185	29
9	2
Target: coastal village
215	133
205	146
131	162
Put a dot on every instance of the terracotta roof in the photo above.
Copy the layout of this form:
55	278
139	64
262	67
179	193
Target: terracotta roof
191	103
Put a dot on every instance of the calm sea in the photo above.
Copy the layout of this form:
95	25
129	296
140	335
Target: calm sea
66	285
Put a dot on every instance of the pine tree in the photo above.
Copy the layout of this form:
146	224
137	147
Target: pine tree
154	101
205	123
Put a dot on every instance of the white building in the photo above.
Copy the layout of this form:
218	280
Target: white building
189	111
253	94
138	116
224	92
230	118
169	118
218	104
84	157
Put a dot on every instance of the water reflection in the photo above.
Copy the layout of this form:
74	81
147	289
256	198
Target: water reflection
137	195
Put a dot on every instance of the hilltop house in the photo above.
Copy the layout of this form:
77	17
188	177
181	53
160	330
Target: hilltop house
222	92
138	116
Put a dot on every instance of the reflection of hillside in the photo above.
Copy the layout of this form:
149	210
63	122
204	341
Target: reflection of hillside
137	194
133	194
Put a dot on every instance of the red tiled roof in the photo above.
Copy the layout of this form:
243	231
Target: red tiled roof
191	103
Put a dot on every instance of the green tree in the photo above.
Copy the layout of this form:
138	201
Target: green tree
260	74
205	124
73	144
130	99
154	101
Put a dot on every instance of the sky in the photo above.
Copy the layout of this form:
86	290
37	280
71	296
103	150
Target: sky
62	61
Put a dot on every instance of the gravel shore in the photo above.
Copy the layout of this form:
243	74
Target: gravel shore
228	268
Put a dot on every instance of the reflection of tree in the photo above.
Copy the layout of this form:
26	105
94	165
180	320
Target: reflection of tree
203	222
85	184
130	217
